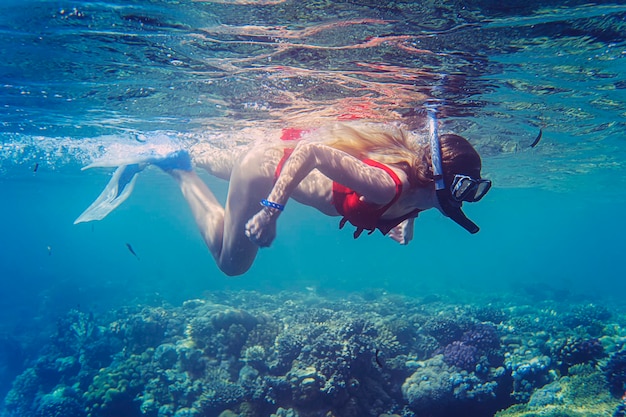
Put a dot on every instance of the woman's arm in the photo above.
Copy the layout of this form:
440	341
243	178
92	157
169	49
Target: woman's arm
374	184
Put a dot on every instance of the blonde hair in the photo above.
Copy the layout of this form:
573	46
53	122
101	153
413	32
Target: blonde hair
392	145
387	144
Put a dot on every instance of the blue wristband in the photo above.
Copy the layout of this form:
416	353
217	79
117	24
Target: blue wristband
273	205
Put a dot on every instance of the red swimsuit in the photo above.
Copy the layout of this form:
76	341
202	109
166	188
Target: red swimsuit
364	215
347	202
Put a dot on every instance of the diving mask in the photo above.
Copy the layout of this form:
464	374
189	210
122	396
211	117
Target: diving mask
468	189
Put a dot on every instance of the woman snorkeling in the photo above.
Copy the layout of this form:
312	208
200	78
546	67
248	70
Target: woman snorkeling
373	175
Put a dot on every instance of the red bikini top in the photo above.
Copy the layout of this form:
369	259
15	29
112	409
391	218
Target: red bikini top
364	215
347	202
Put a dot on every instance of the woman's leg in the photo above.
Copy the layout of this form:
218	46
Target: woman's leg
206	210
222	229
218	162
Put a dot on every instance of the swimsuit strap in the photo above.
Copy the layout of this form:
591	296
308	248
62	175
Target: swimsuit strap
364	215
393	176
286	154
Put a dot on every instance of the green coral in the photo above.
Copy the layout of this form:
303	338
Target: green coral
114	391
582	395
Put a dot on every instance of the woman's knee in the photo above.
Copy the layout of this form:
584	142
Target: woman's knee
235	265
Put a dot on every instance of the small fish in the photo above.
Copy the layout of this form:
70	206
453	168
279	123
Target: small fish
36	167
140	139
49	250
537	139
379	360
130	248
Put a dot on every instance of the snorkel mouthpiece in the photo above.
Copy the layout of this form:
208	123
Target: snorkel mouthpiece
451	210
455	213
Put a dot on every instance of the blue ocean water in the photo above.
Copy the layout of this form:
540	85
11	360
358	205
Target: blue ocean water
80	79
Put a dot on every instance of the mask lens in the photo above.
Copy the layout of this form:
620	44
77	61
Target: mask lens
481	189
465	188
461	187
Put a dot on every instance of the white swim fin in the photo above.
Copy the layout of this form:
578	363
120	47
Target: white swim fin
122	183
115	193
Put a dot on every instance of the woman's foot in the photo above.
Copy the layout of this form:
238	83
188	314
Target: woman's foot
176	160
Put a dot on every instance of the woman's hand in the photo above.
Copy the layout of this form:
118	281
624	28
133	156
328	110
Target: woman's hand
261	228
403	233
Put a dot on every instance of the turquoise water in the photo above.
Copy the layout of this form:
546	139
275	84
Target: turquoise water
80	79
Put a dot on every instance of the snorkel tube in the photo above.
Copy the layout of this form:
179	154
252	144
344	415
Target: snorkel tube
450	209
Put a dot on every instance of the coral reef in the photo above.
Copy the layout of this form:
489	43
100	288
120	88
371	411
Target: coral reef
246	354
615	373
582	394
574	351
477	347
